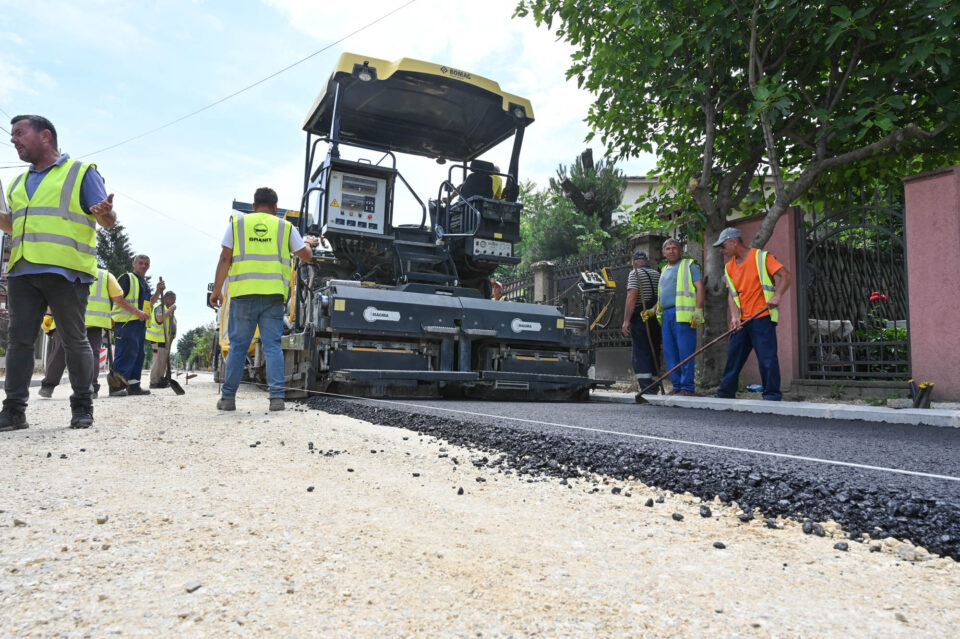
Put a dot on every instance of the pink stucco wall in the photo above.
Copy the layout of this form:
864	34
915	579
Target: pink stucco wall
783	245
933	278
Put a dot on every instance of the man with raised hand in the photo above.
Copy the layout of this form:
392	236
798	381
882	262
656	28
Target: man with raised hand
55	207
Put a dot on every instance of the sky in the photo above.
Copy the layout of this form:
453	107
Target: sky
108	72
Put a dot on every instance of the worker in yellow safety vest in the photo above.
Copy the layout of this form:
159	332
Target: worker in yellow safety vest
104	293
54	209
756	282
161	329
680	298
256	263
129	329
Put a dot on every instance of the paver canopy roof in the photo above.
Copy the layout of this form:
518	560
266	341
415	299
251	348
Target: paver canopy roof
409	106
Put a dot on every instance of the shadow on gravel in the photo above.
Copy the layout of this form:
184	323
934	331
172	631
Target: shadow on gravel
881	513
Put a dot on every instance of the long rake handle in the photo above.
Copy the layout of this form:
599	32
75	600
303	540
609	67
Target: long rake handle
703	348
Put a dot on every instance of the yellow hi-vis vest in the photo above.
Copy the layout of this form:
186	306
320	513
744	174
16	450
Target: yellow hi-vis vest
766	284
98	303
261	256
133	296
51	227
686	301
155	329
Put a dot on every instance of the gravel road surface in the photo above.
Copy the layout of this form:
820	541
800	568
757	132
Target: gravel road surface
171	518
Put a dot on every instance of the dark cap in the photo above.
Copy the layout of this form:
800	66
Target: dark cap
639	255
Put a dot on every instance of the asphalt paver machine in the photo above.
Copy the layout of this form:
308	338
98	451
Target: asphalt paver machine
403	310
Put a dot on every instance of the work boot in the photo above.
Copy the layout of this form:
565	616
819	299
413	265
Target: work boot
82	417
276	403
226	403
11	419
121	392
159	385
46	391
136	390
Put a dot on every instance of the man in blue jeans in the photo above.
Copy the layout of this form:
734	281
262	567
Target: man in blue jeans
256	255
680	298
130	327
756	281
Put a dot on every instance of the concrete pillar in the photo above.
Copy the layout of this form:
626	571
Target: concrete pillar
933	261
649	243
544	282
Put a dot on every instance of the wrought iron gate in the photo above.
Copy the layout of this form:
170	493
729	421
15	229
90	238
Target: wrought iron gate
854	320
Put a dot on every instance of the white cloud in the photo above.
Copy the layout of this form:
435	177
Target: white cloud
11	37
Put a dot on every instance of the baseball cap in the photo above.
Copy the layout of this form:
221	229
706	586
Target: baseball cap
728	233
639	255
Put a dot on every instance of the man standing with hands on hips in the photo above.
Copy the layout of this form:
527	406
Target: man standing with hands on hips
55	207
756	281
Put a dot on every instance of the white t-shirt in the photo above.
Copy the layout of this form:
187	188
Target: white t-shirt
296	242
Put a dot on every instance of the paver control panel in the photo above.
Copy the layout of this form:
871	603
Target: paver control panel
356	203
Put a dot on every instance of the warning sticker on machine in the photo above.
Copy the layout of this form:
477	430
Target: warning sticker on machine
335	203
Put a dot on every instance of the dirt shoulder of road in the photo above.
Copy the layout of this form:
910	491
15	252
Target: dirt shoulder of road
171	517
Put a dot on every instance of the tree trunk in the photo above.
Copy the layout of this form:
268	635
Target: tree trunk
711	362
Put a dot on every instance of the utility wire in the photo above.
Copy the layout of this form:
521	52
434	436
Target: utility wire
257	83
169	217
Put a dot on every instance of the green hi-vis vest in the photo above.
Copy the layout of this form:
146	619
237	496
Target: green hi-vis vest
686	302
766	283
133	296
51	227
98	303
261	256
155	329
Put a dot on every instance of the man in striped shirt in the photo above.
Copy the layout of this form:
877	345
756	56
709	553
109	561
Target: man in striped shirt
644	333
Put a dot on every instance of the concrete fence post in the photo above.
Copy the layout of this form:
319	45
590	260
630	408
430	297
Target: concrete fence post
649	243
544	282
933	259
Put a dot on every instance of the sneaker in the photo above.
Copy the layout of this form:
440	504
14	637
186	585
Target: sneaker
119	393
12	420
136	390
276	403
46	391
675	391
82	418
688	393
226	403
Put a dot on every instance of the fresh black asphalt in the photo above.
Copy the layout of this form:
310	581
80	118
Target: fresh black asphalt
682	449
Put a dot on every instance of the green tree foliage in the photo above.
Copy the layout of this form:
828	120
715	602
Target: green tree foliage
551	228
113	250
196	345
572	216
202	352
594	188
730	93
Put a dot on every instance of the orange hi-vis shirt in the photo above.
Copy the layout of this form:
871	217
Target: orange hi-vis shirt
747	281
